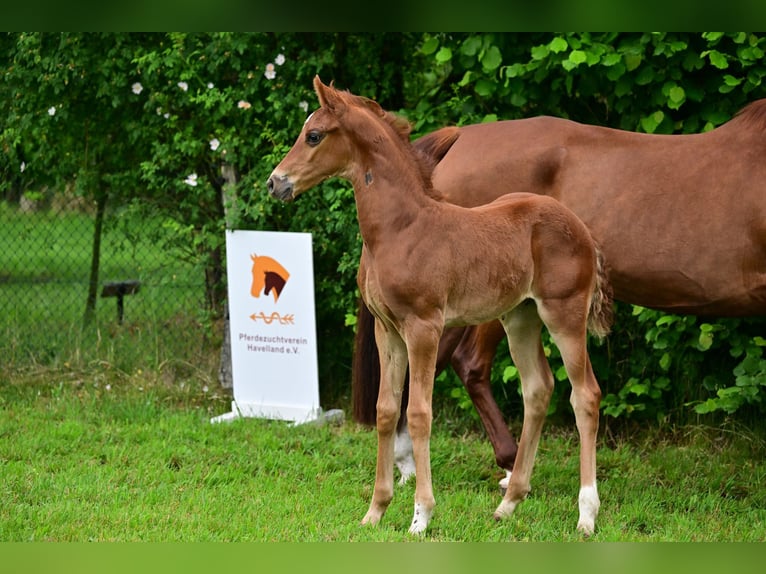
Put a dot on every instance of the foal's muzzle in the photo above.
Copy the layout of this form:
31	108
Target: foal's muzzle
280	187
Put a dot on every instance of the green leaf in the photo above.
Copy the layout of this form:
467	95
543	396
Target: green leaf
466	79
645	76
539	52
652	121
510	373
491	58
632	61
484	87
558	44
676	97
614	73
577	57
718	59
667	320
712	37
677	94
705	340
430	45
518	99
611	59
515	70
444	55
471	46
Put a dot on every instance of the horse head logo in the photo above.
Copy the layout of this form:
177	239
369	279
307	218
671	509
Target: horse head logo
268	276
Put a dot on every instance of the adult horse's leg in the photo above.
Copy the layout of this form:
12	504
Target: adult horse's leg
393	362
472	361
523	327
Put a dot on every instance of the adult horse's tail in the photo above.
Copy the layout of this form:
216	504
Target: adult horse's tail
601	313
365	368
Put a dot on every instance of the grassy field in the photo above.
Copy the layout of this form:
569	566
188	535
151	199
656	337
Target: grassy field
104	455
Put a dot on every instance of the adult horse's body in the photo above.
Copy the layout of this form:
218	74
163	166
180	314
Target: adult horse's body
524	259
681	220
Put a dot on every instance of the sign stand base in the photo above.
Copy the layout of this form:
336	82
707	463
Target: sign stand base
318	417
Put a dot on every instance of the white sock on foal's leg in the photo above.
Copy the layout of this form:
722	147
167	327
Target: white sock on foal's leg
420	519
589	505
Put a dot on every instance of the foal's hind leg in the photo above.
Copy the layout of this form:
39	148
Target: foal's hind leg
571	341
523	327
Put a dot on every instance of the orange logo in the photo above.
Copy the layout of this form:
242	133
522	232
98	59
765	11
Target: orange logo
268	277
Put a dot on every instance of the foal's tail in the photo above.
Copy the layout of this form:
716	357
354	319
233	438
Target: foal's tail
601	313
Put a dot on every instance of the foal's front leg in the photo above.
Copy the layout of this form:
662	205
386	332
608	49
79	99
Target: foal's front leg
422	345
393	366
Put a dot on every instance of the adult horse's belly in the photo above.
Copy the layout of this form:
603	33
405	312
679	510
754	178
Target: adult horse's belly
679	236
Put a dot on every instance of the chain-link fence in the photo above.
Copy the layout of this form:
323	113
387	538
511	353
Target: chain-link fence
149	304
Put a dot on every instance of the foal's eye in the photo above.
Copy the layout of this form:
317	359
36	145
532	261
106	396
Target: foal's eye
314	137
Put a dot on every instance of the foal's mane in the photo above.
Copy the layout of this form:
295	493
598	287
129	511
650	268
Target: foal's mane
753	115
425	156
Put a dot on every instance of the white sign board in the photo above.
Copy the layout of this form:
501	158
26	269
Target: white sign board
273	326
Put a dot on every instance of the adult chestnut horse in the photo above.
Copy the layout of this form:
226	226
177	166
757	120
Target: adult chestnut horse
681	220
524	259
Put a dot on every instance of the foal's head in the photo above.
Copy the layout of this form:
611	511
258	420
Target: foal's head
333	139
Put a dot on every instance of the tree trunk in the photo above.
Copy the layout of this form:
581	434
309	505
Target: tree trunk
231	214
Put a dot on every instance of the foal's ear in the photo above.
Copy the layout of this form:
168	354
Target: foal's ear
329	97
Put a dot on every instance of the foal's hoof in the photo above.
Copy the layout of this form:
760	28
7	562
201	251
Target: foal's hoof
372	517
586	528
505	509
420	519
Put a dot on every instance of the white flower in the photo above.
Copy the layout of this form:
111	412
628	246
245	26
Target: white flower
279	60
137	88
23	166
108	387
210	85
52	111
243	105
184	86
270	72
214	143
304	105
191	179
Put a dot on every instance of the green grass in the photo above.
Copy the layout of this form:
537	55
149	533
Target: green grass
104	455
